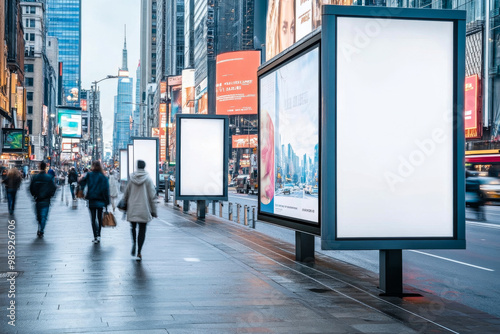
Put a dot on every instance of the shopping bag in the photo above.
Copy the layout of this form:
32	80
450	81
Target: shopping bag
108	220
122	205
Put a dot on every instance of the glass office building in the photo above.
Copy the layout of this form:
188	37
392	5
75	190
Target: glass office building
64	22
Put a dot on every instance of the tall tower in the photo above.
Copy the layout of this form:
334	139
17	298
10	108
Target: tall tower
123	106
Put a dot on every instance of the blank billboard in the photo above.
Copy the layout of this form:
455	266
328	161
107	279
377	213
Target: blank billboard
395	143
130	157
202	156
70	122
123	165
146	149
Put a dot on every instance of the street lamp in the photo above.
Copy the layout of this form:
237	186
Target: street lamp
92	116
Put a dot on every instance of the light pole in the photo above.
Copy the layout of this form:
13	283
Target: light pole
93	114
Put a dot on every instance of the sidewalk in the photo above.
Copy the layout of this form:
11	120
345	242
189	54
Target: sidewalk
196	277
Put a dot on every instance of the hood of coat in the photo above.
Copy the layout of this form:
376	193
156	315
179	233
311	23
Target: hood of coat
139	177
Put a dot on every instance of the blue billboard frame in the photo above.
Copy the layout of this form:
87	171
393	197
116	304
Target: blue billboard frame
328	204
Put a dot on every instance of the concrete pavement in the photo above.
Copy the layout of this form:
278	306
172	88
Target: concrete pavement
209	276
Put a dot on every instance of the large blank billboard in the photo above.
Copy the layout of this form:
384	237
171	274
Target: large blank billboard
202	145
70	122
130	157
146	149
393	141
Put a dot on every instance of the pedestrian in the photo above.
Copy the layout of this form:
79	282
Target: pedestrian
73	182
42	188
113	188
12	184
51	172
4	177
141	207
97	195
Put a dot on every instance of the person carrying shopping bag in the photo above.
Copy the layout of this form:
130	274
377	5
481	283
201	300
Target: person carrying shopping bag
141	207
97	195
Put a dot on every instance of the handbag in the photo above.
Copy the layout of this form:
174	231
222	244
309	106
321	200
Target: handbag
79	193
108	219
122	205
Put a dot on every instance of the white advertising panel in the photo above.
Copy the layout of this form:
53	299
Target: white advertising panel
303	18
289	140
202	157
147	151
70	122
130	155
123	165
394	149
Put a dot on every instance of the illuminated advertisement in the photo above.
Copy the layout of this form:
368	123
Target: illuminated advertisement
290	20
12	140
70	121
472	112
245	141
176	94
236	83
160	134
289	142
188	96
45	120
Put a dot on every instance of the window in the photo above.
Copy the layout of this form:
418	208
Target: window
29	96
31	23
30	126
28	68
27	36
30	111
29	82
32	10
32	37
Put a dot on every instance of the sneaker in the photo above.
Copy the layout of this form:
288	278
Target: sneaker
37	233
133	250
98	239
41	235
94	240
139	257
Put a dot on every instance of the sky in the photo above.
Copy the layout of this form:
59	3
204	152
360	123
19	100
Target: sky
103	23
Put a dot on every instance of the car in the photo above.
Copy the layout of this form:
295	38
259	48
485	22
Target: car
481	189
287	191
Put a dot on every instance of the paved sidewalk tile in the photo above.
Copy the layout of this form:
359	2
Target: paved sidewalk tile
209	276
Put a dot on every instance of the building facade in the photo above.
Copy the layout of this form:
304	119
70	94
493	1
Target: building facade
64	22
148	56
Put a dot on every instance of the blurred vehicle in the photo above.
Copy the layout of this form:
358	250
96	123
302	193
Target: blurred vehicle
489	188
242	184
161	182
287	190
253	185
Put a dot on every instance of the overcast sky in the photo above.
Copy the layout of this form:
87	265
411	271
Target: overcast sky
103	24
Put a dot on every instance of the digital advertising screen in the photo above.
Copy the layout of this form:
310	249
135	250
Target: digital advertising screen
188	93
472	112
202	141
146	149
70	121
289	140
12	140
236	83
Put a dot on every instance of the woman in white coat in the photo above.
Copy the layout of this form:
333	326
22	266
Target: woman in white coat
141	207
113	188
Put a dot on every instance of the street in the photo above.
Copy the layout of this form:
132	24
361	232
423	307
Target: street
468	276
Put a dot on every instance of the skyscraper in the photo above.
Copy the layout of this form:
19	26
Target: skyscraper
123	107
64	18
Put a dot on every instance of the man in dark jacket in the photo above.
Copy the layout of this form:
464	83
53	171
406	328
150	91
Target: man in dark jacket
72	180
42	188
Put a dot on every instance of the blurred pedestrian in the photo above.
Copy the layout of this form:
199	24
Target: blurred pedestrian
97	195
474	197
42	188
51	172
113	188
4	177
12	184
141	207
73	182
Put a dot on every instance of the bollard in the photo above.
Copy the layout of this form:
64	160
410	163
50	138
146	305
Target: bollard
220	209
253	217
213	207
230	211
245	215
238	205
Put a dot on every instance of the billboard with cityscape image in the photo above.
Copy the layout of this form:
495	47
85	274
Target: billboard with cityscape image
289	140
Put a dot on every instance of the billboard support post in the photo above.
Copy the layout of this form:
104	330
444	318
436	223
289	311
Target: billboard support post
201	209
304	247
391	272
185	206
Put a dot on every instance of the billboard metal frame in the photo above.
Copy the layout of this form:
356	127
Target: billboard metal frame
295	52
122	165
329	120
225	164
130	155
